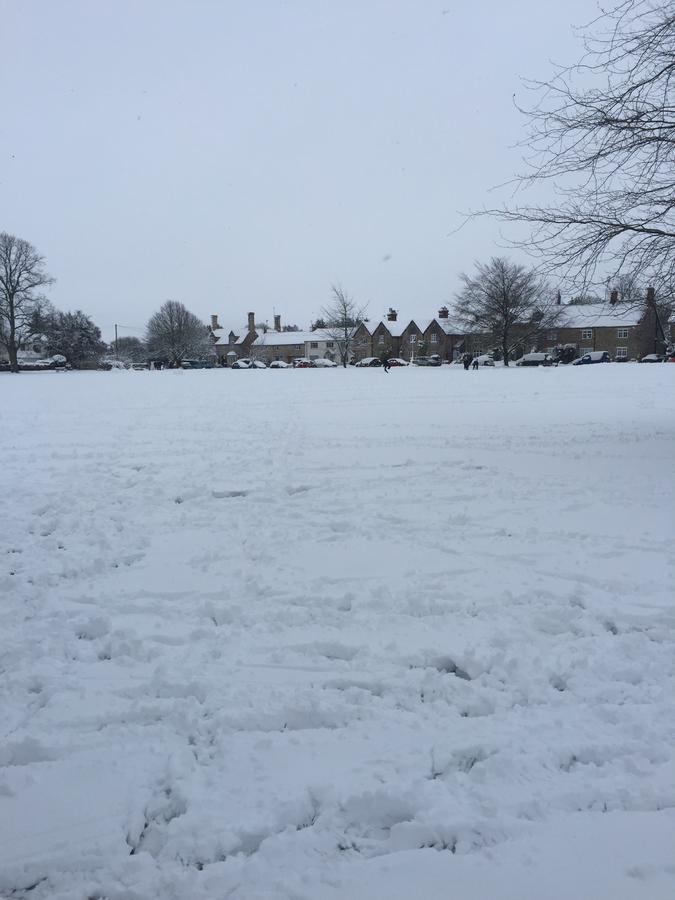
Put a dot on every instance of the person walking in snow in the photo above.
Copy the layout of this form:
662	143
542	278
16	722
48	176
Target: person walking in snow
467	362
475	363
385	363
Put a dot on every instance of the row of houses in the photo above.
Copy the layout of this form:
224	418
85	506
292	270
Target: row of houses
624	331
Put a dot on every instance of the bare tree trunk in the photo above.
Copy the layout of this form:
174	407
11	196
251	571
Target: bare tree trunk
505	349
11	344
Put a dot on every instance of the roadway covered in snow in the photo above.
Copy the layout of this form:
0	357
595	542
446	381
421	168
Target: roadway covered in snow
338	634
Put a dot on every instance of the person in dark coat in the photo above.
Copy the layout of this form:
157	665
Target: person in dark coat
466	359
385	363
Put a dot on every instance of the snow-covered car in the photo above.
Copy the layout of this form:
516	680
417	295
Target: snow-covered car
396	361
279	364
536	359
595	356
427	361
484	360
243	364
323	364
368	362
139	367
652	358
302	363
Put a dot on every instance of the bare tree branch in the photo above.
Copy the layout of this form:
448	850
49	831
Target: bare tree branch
608	152
342	317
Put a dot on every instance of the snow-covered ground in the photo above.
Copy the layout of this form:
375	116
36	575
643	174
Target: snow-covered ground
324	634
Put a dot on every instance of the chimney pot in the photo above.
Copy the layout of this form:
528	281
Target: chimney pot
443	312
277	323
614	297
651	296
251	322
558	299
391	315
214	323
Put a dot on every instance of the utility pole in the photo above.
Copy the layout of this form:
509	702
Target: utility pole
116	347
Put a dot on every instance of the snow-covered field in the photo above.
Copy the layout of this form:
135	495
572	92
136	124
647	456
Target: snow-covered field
323	634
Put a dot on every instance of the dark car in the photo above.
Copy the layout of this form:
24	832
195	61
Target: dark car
652	358
196	364
427	361
368	362
588	359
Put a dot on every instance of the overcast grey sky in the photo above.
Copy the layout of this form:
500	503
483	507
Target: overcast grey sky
245	154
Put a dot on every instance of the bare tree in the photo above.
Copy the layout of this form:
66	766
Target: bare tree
174	334
507	301
341	318
602	133
22	276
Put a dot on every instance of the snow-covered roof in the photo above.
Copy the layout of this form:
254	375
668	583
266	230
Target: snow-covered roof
600	315
285	338
395	329
452	326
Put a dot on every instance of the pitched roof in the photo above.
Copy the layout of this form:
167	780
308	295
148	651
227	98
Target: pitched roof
285	338
600	315
395	329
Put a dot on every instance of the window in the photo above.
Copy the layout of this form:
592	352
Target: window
622	333
380	339
314	345
621	352
298	346
329	343
587	335
553	335
434	338
413	339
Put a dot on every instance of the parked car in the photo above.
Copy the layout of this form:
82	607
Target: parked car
280	364
427	361
242	364
652	358
324	364
484	360
396	361
536	359
596	356
196	364
139	367
368	362
58	361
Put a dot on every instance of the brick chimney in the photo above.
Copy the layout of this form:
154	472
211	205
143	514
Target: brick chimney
443	312
391	315
651	297
214	323
251	323
614	298
558	299
277	323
